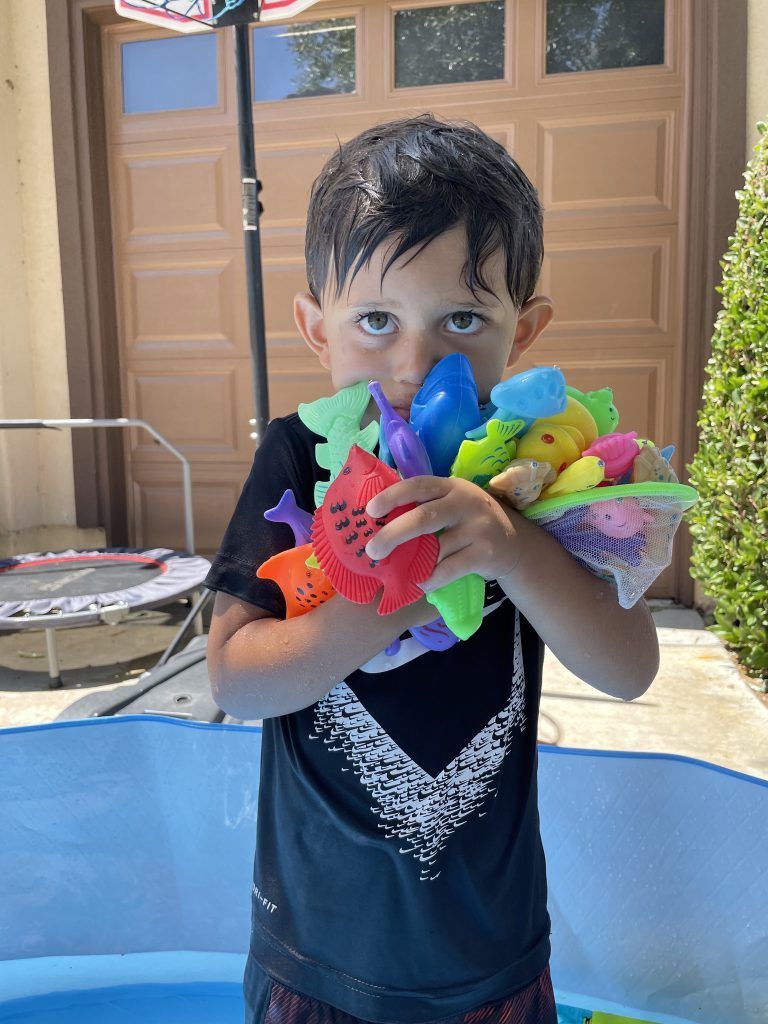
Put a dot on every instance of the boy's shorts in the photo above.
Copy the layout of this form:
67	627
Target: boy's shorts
271	1003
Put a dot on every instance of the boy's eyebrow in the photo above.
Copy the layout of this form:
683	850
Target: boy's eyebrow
457	303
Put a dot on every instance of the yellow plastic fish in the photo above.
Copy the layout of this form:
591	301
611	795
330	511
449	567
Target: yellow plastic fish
582	475
480	461
577	415
555	443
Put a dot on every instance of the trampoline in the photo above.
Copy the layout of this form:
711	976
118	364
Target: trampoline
56	590
126	858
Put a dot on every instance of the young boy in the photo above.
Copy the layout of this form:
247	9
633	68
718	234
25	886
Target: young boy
399	873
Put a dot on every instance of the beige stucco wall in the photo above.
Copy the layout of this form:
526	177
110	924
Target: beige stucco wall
757	69
37	508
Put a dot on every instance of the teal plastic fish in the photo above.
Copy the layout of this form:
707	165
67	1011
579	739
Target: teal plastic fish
337	418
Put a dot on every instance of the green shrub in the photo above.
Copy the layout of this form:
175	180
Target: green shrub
730	522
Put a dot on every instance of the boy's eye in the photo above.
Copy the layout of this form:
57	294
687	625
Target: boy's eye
464	322
374	322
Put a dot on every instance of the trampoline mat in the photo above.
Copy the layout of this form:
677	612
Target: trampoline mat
76	577
73	581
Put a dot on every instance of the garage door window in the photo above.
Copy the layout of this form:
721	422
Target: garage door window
169	74
454	43
594	35
311	58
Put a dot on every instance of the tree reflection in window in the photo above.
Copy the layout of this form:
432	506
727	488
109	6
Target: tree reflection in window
310	58
456	43
590	35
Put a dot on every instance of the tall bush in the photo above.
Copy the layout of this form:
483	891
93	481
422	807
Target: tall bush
730	522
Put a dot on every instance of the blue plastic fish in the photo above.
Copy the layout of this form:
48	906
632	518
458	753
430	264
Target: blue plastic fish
287	511
531	395
444	409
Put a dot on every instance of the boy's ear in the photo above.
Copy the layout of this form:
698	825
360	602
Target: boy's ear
309	320
534	316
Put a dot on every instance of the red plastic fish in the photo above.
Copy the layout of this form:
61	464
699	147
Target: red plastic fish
341	529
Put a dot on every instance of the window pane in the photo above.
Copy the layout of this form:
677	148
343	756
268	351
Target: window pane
588	35
309	58
170	74
459	43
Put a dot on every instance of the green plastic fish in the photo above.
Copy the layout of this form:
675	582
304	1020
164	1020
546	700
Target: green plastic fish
337	418
461	604
480	461
600	404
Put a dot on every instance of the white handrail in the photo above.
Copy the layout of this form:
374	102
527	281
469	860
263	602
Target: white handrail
189	529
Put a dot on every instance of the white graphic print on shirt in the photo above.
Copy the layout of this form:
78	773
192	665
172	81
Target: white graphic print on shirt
419	810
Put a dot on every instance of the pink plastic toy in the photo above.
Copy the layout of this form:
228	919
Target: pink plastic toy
618	452
619	517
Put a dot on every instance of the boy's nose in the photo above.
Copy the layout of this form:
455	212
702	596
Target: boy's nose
413	361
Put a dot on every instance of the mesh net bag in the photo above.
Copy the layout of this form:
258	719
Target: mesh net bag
623	534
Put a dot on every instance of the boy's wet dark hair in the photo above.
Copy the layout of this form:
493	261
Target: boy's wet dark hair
409	181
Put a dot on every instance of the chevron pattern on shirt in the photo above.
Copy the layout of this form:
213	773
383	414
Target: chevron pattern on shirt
419	810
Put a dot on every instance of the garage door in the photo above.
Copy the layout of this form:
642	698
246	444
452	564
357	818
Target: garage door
588	96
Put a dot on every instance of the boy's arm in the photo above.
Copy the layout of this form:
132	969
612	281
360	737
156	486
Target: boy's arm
579	617
262	667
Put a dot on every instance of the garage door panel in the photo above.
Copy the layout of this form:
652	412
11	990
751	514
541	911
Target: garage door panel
607	286
598	169
199	100
183	306
287	173
664	21
158	500
183	193
202	408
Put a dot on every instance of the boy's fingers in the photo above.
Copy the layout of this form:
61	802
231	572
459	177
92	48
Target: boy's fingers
427	518
449	569
404	492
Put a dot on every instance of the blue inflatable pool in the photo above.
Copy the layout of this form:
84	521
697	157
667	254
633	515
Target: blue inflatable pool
125	863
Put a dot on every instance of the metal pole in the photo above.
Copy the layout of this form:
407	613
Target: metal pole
54	672
254	286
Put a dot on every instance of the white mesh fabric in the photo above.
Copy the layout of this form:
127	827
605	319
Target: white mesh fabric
632	562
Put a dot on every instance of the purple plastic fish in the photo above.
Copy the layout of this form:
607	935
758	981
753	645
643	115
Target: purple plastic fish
435	636
287	511
407	450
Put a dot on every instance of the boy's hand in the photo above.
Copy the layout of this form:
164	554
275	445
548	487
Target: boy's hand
478	535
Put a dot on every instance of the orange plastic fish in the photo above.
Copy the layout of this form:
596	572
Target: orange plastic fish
303	588
341	529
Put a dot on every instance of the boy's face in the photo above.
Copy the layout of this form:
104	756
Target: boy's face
396	330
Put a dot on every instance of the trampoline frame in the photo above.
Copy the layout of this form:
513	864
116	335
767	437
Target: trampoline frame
111	614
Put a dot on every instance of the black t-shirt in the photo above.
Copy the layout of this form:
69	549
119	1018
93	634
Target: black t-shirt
399	872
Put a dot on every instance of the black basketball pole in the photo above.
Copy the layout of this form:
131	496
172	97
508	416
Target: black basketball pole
253	282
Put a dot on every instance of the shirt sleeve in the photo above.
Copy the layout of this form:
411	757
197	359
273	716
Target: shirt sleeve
280	462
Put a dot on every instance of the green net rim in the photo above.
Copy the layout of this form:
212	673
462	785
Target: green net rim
681	493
